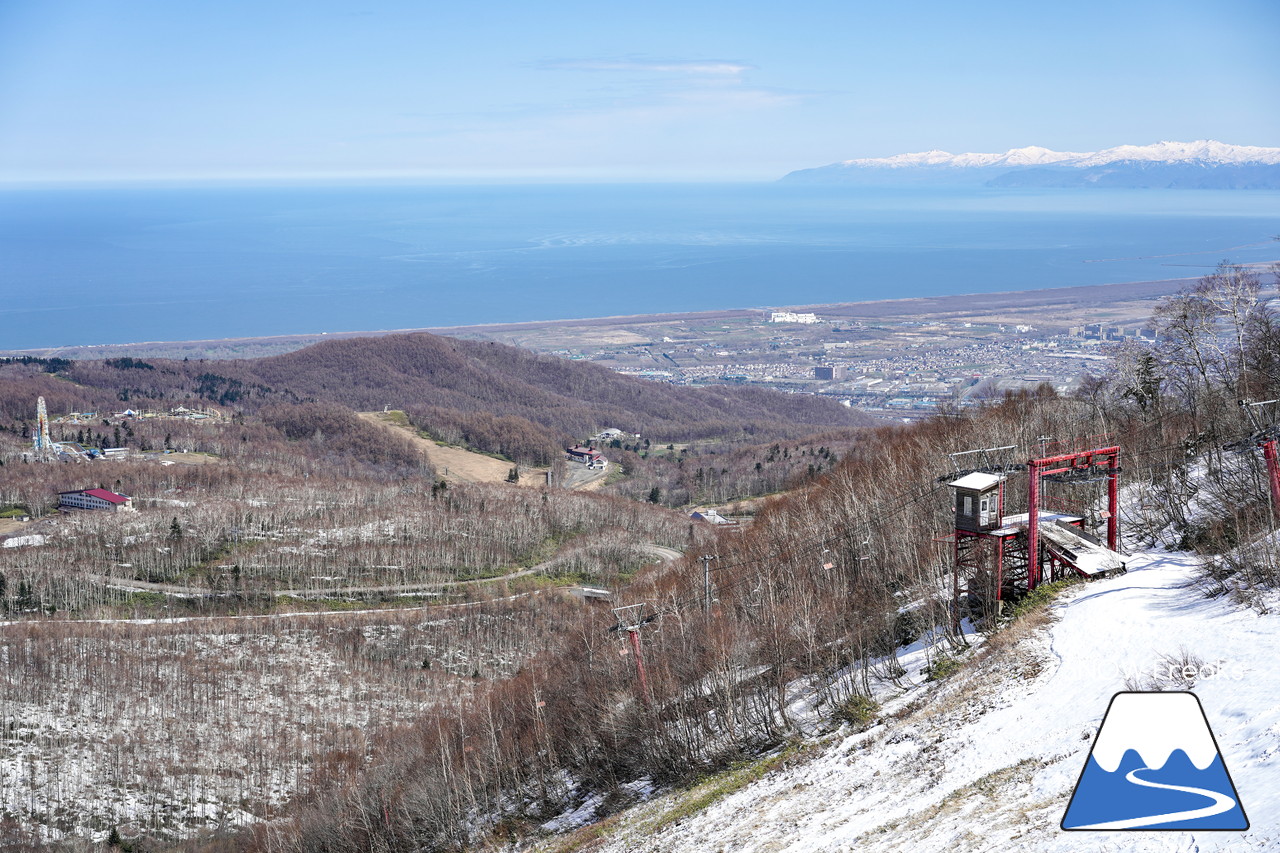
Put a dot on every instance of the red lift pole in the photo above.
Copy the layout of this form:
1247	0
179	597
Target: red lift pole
955	585
1273	474
1033	523
1266	438
1000	552
1113	502
630	619
640	673
1037	468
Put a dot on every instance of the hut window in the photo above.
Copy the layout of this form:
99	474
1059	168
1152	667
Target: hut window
968	504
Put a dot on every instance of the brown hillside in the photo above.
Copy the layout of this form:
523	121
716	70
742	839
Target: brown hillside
488	396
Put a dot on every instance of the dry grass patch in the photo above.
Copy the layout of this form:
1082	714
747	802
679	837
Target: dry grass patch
455	464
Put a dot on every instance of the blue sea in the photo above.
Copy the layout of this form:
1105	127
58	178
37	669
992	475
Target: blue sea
115	265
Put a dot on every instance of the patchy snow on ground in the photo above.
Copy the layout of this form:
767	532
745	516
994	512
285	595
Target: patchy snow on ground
22	541
987	760
576	817
173	726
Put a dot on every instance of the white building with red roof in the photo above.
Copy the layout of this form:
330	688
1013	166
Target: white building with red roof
94	499
588	456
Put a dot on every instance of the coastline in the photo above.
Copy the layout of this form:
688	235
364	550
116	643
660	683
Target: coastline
1080	301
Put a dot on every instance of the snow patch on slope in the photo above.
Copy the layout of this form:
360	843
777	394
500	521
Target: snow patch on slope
24	541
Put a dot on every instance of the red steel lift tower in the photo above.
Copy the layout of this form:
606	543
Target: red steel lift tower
1083	465
1005	556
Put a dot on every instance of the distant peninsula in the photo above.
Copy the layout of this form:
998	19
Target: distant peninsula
1204	164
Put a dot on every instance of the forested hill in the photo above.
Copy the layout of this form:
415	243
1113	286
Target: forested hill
488	395
417	370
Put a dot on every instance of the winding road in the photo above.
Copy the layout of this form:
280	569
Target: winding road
1221	803
660	552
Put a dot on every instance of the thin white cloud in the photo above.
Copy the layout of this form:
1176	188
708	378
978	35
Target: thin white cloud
627	112
738	98
696	67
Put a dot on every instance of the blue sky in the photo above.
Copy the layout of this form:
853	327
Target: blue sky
108	89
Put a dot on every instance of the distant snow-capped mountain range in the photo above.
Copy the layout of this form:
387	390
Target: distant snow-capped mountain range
1204	151
1203	164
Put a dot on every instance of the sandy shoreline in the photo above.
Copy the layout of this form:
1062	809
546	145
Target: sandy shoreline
954	305
925	305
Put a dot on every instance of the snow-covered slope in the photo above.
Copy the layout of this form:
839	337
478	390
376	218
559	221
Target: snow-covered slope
1029	156
988	761
1204	150
1201	151
1200	163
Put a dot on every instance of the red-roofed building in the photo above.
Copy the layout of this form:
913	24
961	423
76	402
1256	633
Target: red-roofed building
586	455
94	499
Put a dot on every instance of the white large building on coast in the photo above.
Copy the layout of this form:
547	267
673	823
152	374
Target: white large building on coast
792	317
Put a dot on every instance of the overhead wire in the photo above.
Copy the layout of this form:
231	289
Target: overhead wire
809	546
802	547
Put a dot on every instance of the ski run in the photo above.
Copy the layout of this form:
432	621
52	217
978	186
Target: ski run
987	759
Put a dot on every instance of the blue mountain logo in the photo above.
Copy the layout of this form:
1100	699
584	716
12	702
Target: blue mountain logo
1155	765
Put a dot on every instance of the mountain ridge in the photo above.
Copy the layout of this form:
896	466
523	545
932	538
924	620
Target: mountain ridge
1201	164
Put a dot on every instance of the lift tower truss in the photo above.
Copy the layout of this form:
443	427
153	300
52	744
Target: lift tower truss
1084	466
1001	557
